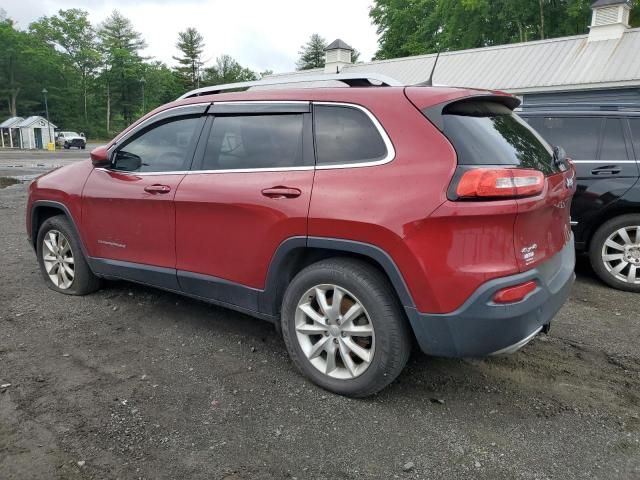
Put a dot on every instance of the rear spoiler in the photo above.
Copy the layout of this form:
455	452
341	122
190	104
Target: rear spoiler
470	104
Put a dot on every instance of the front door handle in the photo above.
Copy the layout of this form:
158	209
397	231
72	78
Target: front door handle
157	188
606	170
281	192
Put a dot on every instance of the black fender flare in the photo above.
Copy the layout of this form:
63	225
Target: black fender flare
63	209
273	286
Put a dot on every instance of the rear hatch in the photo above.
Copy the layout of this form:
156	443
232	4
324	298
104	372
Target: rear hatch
500	157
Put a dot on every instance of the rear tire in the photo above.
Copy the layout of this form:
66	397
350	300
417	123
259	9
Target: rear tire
367	336
62	263
614	252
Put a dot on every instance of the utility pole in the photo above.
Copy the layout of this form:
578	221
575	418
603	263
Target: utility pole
46	108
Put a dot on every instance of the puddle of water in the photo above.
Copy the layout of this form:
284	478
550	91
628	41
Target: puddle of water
8	181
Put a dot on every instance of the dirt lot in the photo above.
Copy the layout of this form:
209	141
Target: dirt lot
136	383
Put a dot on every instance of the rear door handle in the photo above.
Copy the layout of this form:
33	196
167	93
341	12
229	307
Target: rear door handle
157	188
281	192
606	170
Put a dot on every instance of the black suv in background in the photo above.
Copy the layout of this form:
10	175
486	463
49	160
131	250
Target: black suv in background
604	143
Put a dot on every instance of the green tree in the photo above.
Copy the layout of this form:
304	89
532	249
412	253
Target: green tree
191	44
120	45
26	66
312	53
412	27
71	32
228	70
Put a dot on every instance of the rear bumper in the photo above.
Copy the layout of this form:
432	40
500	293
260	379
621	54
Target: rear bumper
481	327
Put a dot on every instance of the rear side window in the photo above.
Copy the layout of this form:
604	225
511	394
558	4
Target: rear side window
577	135
613	142
489	133
254	141
346	135
635	133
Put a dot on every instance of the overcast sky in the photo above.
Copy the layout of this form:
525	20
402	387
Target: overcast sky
260	34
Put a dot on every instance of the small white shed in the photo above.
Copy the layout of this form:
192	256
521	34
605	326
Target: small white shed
36	132
10	133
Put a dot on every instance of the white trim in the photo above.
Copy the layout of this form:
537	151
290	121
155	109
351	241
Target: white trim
391	151
253	102
603	161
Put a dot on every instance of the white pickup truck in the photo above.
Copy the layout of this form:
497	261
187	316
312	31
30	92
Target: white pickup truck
71	139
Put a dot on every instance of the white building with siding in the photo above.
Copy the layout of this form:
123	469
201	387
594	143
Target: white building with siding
28	133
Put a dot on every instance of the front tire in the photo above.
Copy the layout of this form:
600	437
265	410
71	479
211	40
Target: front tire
355	347
66	146
614	252
62	263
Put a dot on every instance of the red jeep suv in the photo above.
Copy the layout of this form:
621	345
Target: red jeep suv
359	220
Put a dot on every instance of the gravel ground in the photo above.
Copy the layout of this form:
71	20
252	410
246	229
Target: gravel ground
131	382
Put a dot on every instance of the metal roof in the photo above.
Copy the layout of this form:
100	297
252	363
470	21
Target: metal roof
11	122
336	44
29	121
559	64
606	3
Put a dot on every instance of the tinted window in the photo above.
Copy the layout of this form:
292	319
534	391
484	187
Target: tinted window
578	136
635	132
489	133
346	135
163	148
613	142
257	141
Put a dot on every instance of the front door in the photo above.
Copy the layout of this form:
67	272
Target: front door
128	212
249	192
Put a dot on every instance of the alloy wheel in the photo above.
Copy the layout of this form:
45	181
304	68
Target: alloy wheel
58	260
621	254
335	332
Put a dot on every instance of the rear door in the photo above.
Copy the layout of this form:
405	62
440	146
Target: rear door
248	192
603	157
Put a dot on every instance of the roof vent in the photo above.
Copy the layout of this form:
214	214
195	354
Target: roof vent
610	19
337	55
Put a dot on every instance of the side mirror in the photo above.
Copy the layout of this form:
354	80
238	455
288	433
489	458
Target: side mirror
100	156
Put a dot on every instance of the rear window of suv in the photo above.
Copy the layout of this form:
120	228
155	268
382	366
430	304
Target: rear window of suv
489	133
346	135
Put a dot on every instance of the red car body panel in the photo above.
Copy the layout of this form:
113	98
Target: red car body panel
122	221
228	229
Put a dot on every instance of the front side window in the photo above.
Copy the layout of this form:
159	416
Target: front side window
255	141
163	148
346	135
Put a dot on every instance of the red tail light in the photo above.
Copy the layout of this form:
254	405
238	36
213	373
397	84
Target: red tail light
514	294
500	183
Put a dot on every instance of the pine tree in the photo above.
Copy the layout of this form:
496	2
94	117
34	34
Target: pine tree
312	54
191	44
120	45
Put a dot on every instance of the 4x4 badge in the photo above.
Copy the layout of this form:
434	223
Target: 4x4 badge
569	182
